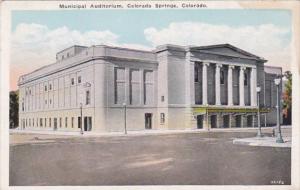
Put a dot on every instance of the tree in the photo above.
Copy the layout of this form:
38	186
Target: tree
13	109
287	99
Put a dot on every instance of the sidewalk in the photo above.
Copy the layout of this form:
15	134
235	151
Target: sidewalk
268	141
137	133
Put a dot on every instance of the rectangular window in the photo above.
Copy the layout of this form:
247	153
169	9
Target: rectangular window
60	122
29	122
162	98
45	87
45	122
72	122
50	86
148	87
134	87
87	97
162	117
66	122
79	122
32	122
72	81
41	122
119	88
50	122
79	79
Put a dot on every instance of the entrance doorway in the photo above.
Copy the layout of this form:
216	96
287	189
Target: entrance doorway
199	121
148	120
87	123
238	121
249	121
226	123
213	121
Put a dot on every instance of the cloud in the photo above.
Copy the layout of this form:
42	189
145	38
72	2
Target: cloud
35	45
267	40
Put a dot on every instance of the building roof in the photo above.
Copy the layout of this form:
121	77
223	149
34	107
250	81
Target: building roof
231	51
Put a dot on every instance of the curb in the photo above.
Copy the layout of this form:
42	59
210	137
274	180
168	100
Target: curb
261	142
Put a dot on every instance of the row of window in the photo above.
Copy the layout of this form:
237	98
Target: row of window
136	78
49	122
50	87
87	100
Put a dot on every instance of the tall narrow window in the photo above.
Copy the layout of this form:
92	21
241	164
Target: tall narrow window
49	122
79	122
41	122
119	88
72	81
162	117
45	87
45	122
148	87
60	122
79	79
87	97
66	122
72	122
134	88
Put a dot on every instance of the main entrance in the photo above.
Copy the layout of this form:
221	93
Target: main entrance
148	120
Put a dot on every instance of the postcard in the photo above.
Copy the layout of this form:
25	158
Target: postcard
150	94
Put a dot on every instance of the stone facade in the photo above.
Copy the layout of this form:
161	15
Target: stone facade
171	87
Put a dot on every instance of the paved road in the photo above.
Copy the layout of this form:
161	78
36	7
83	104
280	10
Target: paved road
175	159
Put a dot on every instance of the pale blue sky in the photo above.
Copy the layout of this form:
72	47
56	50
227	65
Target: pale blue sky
130	24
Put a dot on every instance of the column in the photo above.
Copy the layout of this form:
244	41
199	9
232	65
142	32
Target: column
253	82
230	90
217	85
204	83
189	82
241	86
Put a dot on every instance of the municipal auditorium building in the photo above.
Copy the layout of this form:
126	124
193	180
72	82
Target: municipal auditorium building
102	88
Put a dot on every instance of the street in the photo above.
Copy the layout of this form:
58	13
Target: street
208	158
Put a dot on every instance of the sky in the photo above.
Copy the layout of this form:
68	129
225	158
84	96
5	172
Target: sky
38	35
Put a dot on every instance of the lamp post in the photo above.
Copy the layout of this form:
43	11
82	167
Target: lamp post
279	139
124	105
258	113
81	131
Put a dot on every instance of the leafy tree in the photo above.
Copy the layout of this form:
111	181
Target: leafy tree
13	109
287	99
